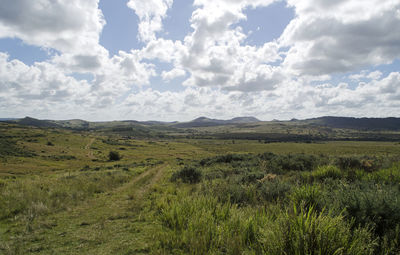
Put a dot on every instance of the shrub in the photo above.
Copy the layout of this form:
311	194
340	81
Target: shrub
50	143
389	175
307	196
199	225
202	225
291	162
114	156
273	190
324	172
309	232
368	204
228	158
187	174
346	163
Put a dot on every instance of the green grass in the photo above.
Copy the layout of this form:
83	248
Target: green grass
60	194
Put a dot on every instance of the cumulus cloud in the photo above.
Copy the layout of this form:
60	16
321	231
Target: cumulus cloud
216	56
151	14
339	36
173	74
224	77
40	82
53	24
375	75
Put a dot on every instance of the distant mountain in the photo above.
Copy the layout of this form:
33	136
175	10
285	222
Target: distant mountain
73	124
7	119
207	122
28	121
327	121
355	123
244	120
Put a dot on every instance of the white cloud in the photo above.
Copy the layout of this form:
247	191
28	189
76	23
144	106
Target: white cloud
173	74
339	36
225	77
40	82
120	74
375	75
216	56
151	14
67	26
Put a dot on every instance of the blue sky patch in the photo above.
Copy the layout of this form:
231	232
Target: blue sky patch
28	54
121	30
266	23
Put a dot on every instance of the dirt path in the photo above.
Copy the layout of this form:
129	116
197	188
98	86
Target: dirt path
108	224
87	147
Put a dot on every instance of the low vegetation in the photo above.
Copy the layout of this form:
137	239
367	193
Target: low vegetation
285	204
114	156
105	193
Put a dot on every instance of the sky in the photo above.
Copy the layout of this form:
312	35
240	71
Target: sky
175	60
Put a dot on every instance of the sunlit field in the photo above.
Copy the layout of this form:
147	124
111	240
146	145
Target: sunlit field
62	194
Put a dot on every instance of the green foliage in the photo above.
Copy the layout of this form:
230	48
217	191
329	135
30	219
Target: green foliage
8	147
242	204
308	196
187	174
368	164
271	191
324	172
202	225
114	156
290	162
228	158
309	232
376	206
39	197
388	175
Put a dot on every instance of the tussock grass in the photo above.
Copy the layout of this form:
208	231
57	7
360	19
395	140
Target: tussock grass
39	196
202	225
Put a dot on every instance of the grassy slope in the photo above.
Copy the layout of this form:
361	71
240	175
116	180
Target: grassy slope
113	206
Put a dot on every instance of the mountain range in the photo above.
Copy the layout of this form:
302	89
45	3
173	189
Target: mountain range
390	123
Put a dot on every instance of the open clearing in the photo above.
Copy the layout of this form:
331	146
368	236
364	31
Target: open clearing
60	194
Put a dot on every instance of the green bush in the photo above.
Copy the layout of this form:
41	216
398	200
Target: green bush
228	158
114	156
371	205
324	172
273	190
346	163
389	175
187	174
308	196
202	225
309	232
292	162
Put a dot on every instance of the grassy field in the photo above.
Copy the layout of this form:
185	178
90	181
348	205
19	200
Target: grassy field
61	194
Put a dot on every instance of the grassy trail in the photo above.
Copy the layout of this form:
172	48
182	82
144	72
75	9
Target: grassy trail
87	147
111	223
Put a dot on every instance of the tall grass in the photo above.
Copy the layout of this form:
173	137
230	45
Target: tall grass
202	225
306	231
39	196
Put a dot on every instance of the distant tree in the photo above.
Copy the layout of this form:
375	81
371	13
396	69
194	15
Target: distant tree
114	156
